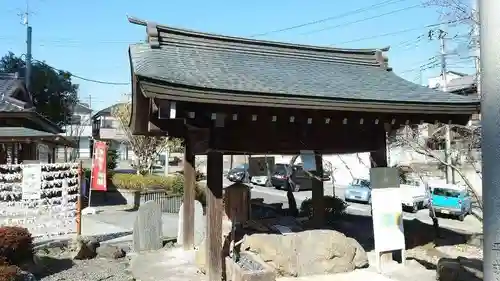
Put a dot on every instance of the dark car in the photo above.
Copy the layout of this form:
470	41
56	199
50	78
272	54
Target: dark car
239	174
285	175
280	176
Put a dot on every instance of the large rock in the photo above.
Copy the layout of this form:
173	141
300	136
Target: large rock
308	252
110	252
84	248
459	269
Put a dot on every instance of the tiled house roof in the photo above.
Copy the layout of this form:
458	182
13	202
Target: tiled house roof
232	65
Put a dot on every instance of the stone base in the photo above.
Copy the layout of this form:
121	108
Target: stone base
234	272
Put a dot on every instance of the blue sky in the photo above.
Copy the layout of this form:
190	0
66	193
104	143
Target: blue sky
90	38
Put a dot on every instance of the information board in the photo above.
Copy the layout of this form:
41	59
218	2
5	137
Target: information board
387	217
32	182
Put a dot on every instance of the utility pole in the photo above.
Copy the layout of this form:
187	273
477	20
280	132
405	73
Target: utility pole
476	44
28	46
449	170
490	146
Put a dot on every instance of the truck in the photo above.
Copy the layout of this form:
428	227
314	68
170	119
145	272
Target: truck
414	195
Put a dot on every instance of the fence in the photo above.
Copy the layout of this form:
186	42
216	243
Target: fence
40	197
169	203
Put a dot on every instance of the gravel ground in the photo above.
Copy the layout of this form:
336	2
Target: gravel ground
93	270
58	266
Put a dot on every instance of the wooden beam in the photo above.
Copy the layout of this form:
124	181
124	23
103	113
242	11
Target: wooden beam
214	216
189	197
378	158
318	194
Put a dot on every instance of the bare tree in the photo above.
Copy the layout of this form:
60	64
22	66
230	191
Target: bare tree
466	140
459	13
74	130
145	148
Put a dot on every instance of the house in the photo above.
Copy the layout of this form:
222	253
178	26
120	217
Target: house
457	83
25	135
107	128
437	82
78	129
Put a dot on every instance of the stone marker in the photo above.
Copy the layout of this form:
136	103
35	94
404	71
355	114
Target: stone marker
199	227
148	232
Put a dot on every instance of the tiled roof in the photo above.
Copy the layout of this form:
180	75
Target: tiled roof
8	84
22	132
8	106
209	61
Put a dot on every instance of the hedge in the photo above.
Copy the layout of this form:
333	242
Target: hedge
171	184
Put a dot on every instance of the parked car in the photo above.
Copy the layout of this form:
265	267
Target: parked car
414	195
259	180
239	174
281	175
327	171
359	190
285	175
451	200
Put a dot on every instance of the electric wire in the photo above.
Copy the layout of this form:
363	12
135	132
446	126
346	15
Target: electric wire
362	20
83	78
353	12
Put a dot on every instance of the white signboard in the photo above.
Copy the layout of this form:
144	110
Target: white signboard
32	181
387	219
308	160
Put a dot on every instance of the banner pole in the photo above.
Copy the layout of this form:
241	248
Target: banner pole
91	174
79	202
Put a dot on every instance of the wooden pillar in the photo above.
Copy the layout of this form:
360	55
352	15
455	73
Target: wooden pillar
318	193
3	154
214	216
378	158
13	154
189	197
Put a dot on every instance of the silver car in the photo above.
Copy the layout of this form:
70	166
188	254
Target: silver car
359	190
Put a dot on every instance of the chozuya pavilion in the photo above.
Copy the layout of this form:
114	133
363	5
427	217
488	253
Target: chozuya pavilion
235	95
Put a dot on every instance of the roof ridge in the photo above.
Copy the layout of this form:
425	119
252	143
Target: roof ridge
154	37
10	75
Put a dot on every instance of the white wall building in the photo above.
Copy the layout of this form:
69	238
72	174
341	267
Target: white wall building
80	130
438	81
108	128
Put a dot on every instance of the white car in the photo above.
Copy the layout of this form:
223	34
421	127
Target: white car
259	180
414	195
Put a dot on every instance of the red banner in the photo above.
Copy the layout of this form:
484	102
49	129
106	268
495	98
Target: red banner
99	164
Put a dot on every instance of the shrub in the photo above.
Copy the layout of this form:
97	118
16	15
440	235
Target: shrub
9	272
87	173
16	245
142	182
112	159
334	206
171	184
201	194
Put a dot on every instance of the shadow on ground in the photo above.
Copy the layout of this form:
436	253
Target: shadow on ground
104	198
416	232
50	266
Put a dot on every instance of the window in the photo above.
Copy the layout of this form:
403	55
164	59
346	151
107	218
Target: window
446	192
75	120
361	182
106	123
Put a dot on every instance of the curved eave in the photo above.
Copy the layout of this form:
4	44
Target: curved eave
154	88
264	43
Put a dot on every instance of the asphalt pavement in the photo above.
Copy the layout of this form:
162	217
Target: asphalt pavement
272	195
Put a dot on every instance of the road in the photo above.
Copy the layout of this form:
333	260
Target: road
272	195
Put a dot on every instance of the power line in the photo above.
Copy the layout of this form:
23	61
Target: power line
86	79
357	11
397	32
362	20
